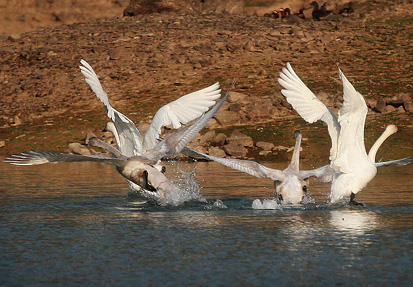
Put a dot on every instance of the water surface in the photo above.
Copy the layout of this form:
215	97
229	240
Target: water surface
72	224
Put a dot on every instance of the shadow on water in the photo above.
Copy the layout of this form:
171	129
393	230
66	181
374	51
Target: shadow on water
74	224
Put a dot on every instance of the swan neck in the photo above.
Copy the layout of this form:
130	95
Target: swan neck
295	160
373	150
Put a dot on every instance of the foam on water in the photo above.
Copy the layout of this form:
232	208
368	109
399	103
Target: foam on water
266	204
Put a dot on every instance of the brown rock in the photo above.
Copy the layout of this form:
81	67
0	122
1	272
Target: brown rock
16	121
216	151
227	117
408	107
399	100
381	105
249	46
235	150
219	140
388	109
239	138
234	107
14	37
77	148
212	123
235	97
207	137
264	145
2	144
264	152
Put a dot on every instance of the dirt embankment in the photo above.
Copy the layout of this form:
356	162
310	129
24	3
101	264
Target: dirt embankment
149	60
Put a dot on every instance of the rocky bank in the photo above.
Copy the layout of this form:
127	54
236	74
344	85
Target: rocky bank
148	60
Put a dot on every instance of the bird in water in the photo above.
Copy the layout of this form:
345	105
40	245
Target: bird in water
290	183
352	168
138	169
128	137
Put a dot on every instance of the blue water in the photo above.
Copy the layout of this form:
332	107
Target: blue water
73	225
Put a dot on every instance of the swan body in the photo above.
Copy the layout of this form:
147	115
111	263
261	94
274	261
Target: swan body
127	136
352	168
290	184
138	169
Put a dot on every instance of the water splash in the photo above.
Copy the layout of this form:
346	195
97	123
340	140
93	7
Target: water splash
266	204
185	188
218	204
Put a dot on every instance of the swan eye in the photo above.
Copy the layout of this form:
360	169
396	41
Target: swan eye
305	188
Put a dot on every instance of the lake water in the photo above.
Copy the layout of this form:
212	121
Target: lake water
73	225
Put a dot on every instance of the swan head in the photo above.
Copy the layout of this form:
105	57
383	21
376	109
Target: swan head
110	127
291	191
390	129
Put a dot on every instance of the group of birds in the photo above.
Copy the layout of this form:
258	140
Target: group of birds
317	13
138	159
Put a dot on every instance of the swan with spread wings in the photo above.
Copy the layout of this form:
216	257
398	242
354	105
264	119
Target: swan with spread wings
351	166
128	138
138	169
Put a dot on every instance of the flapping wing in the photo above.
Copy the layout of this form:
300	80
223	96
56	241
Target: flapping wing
352	118
180	111
173	144
307	105
130	140
324	173
248	166
396	162
36	157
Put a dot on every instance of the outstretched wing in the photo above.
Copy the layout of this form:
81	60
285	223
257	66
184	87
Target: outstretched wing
396	162
352	116
36	157
173	144
130	140
324	173
180	111
248	166
307	105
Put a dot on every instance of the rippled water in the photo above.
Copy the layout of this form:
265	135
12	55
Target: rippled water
72	224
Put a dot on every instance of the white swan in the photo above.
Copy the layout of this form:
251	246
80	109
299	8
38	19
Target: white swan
128	137
290	184
180	111
138	169
352	167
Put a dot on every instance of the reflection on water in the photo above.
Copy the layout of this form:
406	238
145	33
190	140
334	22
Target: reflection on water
353	222
73	224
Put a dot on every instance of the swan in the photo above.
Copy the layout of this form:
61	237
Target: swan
351	166
176	113
290	184
138	169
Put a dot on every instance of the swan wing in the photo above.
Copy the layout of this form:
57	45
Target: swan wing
248	166
174	143
307	105
180	111
324	173
351	150
396	162
36	157
130	140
